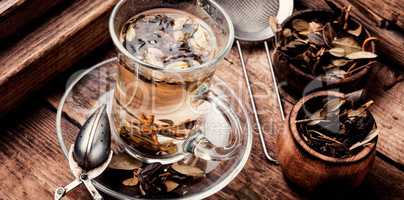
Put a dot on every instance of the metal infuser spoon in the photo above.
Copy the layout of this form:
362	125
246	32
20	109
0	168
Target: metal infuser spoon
251	23
91	153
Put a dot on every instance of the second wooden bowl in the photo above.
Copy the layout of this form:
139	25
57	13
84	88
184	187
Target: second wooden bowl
312	171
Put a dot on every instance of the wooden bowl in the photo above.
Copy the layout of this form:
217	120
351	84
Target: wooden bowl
314	172
298	82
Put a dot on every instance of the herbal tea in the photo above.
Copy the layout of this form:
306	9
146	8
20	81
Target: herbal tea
153	113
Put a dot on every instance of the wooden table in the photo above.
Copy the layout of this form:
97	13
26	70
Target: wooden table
32	164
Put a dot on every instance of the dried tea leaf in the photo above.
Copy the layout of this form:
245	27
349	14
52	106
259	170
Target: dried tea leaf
315	27
340	62
356	32
170	185
188	170
347	15
349	44
334	104
337	73
315	39
355	97
317	117
287	33
337	52
360	111
369	138
345	41
354	69
324	136
294	44
361	55
300	25
130	182
328	34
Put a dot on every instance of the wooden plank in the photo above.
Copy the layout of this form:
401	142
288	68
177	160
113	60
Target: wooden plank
15	14
391	12
391	40
388	111
52	48
32	164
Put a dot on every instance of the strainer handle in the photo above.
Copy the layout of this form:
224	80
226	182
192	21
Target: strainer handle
250	94
274	81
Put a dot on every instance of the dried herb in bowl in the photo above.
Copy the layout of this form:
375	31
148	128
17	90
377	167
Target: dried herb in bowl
340	127
334	48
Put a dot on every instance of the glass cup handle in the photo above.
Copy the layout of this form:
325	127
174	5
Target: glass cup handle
199	145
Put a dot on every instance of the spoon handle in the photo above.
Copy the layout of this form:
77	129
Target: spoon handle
90	187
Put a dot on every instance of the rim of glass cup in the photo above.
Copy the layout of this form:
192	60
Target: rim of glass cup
215	188
220	56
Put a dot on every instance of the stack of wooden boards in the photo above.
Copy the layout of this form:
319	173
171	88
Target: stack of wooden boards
41	38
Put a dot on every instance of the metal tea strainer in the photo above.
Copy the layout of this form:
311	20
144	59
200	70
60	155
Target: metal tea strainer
251	23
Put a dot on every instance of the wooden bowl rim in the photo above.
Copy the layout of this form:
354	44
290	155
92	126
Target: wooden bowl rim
311	77
296	135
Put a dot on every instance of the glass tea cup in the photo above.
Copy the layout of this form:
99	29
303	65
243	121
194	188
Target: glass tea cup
157	113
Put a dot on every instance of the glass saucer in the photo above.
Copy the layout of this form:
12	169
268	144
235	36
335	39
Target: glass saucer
88	89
